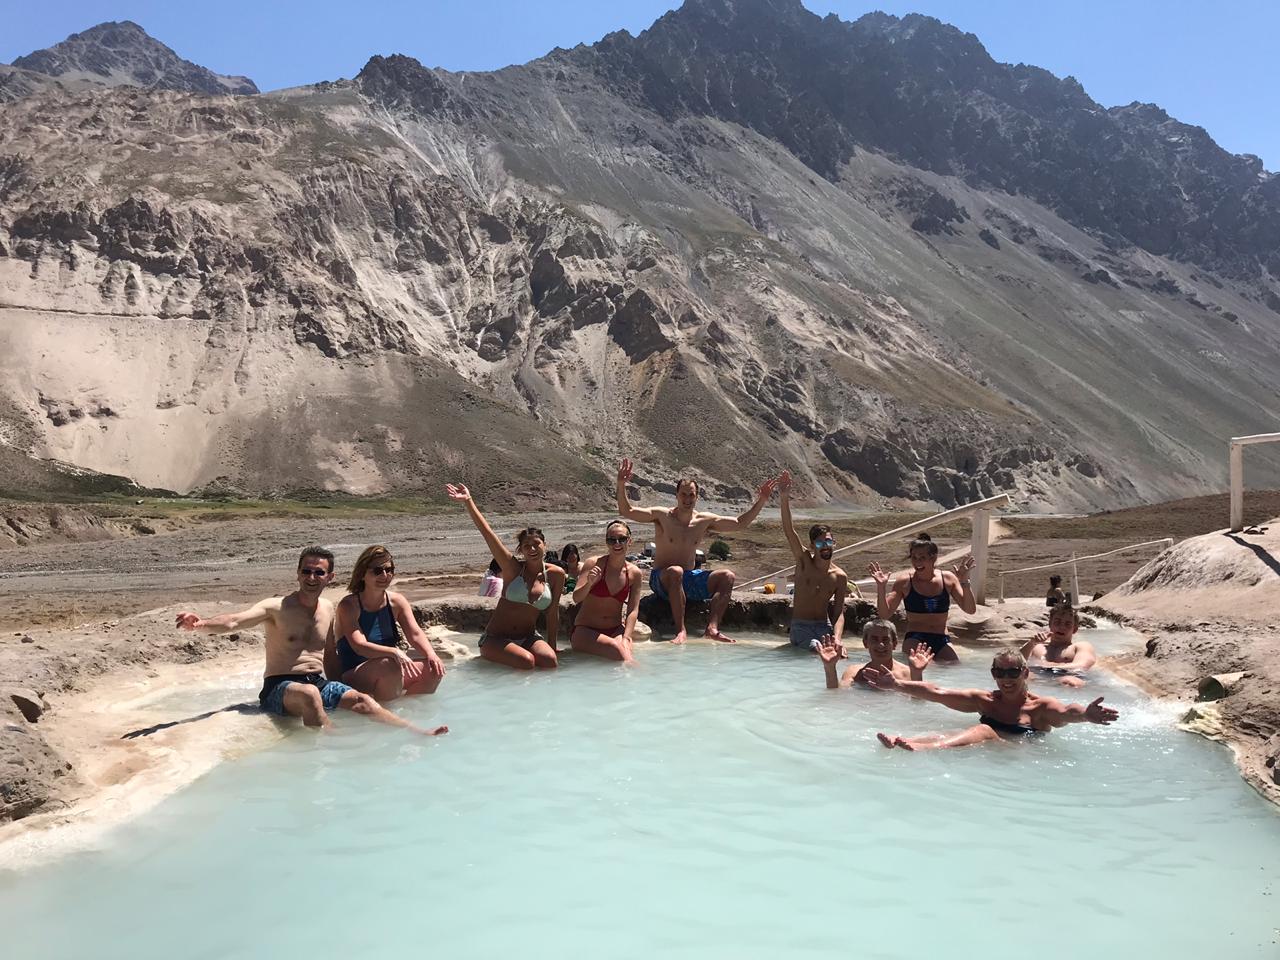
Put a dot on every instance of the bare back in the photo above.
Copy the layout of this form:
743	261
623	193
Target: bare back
296	636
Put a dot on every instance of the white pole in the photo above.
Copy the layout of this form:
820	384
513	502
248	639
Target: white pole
981	523
1075	580
1002	588
1237	487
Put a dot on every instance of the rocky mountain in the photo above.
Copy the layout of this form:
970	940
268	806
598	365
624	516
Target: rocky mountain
749	237
123	53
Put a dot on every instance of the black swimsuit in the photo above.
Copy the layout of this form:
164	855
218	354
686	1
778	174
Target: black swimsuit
1014	729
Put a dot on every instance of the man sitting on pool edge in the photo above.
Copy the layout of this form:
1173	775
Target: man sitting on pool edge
296	628
880	637
1011	710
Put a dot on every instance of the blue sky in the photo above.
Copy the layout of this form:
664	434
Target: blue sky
1212	64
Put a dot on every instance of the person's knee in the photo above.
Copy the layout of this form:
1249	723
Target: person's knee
546	661
672	576
727	578
358	702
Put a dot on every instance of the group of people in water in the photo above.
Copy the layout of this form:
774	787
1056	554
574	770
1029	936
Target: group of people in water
322	656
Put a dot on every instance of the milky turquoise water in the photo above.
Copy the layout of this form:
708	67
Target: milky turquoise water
709	802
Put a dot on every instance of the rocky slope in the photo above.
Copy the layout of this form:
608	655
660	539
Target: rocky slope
748	237
124	54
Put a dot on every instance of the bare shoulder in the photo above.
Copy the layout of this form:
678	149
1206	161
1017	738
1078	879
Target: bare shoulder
555	574
398	601
839	572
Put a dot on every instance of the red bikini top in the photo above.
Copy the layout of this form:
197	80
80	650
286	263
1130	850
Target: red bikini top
601	587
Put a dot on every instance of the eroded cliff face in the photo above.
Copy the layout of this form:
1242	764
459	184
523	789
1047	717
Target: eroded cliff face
517	277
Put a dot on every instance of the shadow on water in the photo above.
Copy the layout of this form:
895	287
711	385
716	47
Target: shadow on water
1263	555
246	708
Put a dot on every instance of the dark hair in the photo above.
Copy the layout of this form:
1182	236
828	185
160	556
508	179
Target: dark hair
320	553
528	533
923	542
1055	581
569	548
365	561
818	530
495	567
690	480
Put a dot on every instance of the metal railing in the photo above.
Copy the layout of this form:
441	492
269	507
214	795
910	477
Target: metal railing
1073	563
1236	454
980	513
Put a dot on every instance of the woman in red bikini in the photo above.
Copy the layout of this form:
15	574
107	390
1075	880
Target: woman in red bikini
609	593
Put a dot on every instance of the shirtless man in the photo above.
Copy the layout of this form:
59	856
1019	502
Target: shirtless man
297	627
1011	710
817	608
679	531
1058	653
880	637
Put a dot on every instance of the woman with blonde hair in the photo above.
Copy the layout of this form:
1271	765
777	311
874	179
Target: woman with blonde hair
530	586
367	652
609	594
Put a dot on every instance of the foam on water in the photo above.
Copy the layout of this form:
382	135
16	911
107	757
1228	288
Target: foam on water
708	802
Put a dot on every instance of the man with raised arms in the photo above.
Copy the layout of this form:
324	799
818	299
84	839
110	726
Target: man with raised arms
817	607
880	637
297	627
680	529
1010	711
1058	652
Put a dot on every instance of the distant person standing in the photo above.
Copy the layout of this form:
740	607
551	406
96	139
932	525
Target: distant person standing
817	609
926	594
1055	595
676	576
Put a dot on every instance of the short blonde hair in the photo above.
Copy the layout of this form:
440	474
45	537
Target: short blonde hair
885	625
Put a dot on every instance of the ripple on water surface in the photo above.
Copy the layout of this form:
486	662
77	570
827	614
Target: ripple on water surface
707	802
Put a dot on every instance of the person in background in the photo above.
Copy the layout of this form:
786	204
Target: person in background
1055	595
1058	653
491	585
817	609
571	563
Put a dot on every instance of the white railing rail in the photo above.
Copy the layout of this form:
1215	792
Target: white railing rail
980	513
1075	561
1236	455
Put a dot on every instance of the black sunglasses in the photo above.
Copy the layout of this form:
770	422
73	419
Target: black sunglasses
616	540
313	572
1006	673
379	571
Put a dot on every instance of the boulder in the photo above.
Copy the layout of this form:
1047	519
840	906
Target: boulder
28	702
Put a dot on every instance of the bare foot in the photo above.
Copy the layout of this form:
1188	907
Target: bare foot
434	732
887	740
680	637
903	744
713	633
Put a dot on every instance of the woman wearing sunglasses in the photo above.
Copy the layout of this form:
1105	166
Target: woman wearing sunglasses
1010	711
530	586
609	593
368	652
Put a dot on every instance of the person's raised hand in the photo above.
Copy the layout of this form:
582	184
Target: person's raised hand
879	576
1097	713
1041	638
920	656
766	489
593	575
961	569
878	678
784	482
457	491
830	651
625	470
187	621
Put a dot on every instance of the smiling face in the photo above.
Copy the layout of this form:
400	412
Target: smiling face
1009	671
1062	625
314	574
687	494
617	539
880	642
824	544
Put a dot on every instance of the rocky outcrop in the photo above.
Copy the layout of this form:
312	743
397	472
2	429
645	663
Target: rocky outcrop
123	53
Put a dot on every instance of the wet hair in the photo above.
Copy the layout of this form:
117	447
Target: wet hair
567	549
1065	609
1011	656
690	480
819	530
923	542
319	552
872	625
1055	581
495	567
528	533
617	523
367	559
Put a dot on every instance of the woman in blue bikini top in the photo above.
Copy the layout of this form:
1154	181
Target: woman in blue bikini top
530	588
925	594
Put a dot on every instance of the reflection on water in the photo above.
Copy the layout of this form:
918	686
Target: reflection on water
707	802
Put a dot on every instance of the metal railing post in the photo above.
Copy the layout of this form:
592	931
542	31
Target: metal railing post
1237	487
981	524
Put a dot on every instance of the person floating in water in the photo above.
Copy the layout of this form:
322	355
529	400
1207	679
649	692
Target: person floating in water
817	609
675	576
1055	595
297	627
609	598
368	647
529	586
1058	653
1009	711
880	637
926	594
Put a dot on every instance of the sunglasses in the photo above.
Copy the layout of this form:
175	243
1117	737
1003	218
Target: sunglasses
389	569
616	541
1006	673
312	573
824	544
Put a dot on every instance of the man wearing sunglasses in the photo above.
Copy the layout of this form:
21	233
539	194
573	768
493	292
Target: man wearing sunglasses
1011	711
296	627
817	607
676	576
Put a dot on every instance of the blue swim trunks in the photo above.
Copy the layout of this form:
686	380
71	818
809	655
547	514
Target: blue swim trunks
808	634
693	581
271	698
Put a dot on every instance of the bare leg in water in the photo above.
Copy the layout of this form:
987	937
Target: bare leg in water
978	733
